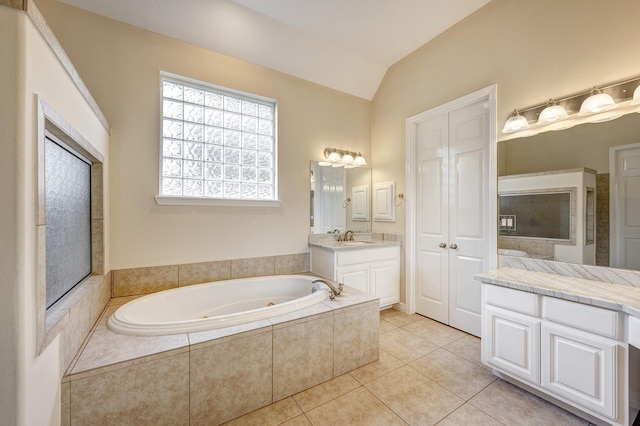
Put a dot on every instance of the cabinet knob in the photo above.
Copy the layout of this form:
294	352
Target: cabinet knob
442	245
453	246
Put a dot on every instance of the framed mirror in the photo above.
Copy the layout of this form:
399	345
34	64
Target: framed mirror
340	199
593	147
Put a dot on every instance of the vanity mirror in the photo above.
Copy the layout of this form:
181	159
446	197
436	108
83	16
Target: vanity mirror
340	199
584	147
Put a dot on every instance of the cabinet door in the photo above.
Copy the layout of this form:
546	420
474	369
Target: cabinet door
580	367
385	281
511	343
356	276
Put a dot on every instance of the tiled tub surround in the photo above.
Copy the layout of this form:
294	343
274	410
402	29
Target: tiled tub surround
617	291
135	281
76	314
214	376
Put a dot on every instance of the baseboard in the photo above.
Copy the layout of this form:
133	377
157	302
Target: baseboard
402	307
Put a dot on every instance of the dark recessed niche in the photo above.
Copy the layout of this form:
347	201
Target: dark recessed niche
537	215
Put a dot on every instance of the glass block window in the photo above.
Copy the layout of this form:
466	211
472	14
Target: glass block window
216	143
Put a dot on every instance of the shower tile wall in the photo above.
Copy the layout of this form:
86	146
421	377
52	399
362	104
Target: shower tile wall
129	282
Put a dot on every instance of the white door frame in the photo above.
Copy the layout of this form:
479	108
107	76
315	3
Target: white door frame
488	93
615	202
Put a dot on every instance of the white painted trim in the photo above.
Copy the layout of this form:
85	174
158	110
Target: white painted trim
614	201
402	307
490	94
201	201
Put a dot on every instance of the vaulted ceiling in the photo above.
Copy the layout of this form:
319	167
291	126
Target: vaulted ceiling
347	45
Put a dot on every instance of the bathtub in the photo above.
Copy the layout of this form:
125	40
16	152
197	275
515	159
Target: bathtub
216	305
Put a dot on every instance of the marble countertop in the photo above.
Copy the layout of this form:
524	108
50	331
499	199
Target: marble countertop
618	297
333	245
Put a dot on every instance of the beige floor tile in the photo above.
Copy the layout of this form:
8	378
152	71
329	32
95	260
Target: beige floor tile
514	406
462	377
398	318
301	420
468	415
382	366
386	326
417	399
324	392
274	414
467	347
356	408
405	346
434	331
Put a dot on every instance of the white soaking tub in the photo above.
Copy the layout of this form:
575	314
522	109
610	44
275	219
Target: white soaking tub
216	305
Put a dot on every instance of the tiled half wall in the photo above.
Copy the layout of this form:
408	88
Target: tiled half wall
209	381
129	282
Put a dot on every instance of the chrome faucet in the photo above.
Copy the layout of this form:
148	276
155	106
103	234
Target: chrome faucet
333	291
348	236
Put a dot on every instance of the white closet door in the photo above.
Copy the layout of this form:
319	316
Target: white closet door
432	220
452	223
469	234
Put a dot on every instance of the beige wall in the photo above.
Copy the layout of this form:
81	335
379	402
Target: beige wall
121	66
10	36
532	50
29	67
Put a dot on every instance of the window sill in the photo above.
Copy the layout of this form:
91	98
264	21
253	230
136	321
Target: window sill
197	201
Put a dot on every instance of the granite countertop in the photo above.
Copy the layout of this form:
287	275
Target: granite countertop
333	245
618	297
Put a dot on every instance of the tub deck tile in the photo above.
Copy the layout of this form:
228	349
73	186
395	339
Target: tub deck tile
202	339
310	313
106	348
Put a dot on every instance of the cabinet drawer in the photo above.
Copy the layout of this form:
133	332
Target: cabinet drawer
514	300
366	255
584	317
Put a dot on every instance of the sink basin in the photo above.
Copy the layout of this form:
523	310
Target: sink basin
356	243
515	253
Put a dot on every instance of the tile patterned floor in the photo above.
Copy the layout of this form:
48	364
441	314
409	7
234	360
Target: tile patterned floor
427	374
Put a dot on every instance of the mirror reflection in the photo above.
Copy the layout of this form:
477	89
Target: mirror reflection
340	199
589	159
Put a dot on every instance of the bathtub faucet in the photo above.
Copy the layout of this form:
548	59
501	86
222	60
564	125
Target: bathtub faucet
333	291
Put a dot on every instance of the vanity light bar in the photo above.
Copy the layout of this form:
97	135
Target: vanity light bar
341	157
627	90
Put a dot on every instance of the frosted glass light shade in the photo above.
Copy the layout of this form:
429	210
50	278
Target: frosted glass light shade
515	123
551	114
360	160
596	103
636	96
347	159
334	156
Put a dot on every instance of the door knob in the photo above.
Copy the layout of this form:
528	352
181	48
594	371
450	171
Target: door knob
442	245
453	246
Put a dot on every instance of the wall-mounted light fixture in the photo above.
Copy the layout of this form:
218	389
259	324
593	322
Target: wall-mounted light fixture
515	123
340	157
594	105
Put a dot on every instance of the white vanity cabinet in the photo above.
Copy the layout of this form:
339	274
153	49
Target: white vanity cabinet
372	269
573	352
